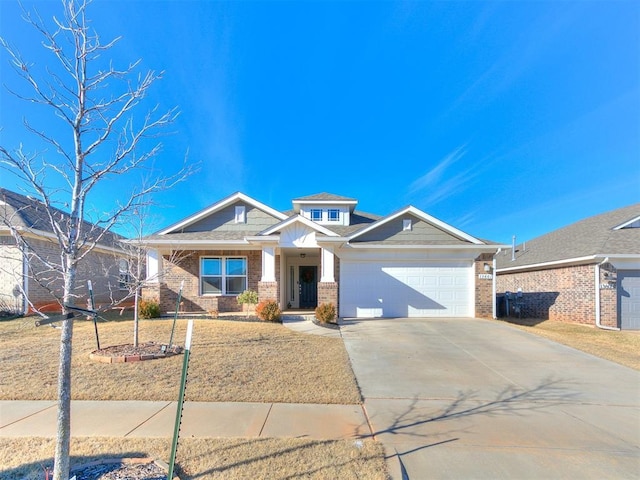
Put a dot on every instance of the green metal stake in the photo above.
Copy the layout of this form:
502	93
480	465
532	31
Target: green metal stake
175	315
95	315
183	384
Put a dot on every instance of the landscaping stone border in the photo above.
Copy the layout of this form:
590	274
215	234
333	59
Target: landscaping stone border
106	357
123	461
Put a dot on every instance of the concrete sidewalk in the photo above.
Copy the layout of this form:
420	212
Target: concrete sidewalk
303	323
199	419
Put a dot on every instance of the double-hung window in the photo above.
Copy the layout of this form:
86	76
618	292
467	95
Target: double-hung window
124	277
333	215
223	275
316	214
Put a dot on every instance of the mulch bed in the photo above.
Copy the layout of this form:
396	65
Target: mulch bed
129	353
121	469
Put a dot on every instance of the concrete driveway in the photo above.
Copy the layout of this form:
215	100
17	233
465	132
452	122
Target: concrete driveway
469	398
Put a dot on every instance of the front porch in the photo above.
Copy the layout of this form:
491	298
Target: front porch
299	279
302	279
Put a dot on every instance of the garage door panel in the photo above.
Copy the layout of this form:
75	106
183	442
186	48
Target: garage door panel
629	299
394	290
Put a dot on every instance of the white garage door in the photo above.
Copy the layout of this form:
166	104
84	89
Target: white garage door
393	289
629	299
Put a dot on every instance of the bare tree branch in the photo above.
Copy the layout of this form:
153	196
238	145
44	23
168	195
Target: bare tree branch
95	101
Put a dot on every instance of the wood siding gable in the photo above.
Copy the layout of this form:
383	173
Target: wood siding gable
421	232
224	220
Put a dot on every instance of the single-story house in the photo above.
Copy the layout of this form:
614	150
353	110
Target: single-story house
405	264
30	276
587	272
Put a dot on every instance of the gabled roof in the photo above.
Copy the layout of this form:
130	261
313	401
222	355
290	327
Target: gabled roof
459	234
608	234
30	215
176	227
214	225
298	219
324	197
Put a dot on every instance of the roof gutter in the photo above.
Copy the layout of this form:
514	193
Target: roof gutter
483	247
597	287
542	265
40	234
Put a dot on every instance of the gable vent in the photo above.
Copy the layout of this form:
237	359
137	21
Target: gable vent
241	215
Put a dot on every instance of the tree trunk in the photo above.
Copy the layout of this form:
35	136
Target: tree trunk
135	317
63	428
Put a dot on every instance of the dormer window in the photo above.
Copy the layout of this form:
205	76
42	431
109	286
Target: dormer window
333	215
241	216
316	214
406	225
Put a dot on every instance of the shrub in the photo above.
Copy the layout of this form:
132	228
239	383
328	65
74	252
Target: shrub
326	313
250	297
269	311
148	308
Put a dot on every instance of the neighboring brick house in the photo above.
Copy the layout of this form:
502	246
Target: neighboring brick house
406	264
26	270
587	272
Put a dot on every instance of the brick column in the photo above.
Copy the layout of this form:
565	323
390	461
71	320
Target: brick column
608	296
484	286
328	293
268	291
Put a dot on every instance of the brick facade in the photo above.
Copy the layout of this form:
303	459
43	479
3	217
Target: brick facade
484	287
269	291
100	267
565	294
608	296
187	269
328	293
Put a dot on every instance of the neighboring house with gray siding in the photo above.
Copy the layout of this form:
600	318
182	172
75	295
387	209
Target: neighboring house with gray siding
324	250
587	272
29	269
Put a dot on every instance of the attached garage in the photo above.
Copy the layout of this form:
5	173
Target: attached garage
406	289
629	299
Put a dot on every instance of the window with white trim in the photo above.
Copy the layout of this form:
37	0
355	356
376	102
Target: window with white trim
406	224
223	275
333	215
316	214
124	277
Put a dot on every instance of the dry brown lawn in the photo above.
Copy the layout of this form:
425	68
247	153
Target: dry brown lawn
208	458
233	361
621	347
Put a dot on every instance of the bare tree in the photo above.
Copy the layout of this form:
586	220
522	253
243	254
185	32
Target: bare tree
134	271
95	102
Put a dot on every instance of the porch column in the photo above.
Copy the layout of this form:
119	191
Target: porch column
327	266
268	264
154	266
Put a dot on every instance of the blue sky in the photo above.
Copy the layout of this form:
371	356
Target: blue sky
500	118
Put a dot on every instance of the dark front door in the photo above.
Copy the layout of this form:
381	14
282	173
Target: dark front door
308	286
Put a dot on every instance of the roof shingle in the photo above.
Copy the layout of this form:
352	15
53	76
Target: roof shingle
591	236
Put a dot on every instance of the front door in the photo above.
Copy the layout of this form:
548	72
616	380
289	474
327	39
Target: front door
308	286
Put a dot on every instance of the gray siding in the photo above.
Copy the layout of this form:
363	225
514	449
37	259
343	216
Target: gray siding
421	232
224	221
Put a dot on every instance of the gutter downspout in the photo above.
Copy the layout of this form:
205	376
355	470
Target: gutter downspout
597	285
25	282
494	306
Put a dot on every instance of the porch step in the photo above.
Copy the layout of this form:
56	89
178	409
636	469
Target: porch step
297	317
